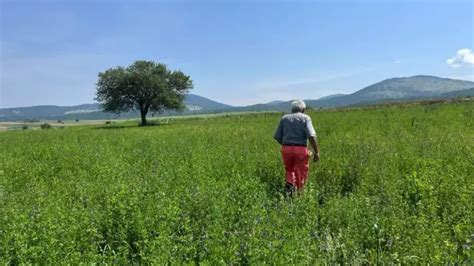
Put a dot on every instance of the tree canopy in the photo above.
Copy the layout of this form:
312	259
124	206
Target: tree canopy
142	86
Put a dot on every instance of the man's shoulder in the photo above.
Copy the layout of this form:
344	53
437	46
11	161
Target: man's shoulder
287	117
303	116
296	116
306	116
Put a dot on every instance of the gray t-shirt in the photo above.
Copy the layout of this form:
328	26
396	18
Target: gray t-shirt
295	128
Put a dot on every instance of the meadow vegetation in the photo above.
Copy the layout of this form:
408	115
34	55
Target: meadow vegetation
394	184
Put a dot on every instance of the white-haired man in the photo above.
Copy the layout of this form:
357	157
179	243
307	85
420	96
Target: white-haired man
293	133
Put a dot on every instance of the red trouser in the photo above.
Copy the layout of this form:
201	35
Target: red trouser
296	164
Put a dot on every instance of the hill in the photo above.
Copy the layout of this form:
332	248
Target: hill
394	89
390	90
331	96
194	103
275	102
456	94
203	104
409	88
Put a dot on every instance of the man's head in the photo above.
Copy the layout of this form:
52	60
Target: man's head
298	106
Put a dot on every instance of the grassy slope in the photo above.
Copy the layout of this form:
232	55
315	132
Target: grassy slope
394	184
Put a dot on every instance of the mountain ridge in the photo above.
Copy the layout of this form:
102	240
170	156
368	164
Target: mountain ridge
394	89
414	87
194	103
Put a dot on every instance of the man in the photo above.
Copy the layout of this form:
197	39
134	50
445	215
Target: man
293	133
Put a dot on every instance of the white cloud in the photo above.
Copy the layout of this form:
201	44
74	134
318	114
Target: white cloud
463	56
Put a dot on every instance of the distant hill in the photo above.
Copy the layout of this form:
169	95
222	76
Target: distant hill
203	104
389	90
194	103
331	96
457	94
275	102
416	87
47	111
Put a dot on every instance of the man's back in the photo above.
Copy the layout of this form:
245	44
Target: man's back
295	129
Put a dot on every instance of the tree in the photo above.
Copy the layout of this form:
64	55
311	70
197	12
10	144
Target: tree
142	86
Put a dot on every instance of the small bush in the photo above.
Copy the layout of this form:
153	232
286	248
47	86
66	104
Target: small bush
108	122
24	127
46	126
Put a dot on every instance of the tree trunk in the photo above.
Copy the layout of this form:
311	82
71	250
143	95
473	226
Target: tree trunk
143	112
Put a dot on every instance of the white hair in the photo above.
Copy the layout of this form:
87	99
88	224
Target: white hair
298	106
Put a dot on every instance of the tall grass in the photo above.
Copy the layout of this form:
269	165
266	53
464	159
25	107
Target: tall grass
394	184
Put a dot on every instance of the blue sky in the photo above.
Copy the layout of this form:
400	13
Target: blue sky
237	52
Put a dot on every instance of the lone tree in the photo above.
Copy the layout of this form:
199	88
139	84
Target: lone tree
143	86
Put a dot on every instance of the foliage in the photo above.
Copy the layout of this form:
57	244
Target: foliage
45	126
143	86
394	185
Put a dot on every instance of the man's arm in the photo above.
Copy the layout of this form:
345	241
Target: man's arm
279	133
314	144
312	138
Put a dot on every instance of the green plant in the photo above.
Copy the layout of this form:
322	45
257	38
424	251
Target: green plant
45	126
394	186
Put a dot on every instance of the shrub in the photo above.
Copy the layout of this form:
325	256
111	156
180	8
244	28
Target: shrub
46	126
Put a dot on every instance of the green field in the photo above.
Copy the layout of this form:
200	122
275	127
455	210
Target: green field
394	184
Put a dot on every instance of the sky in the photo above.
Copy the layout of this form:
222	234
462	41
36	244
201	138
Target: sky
236	52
